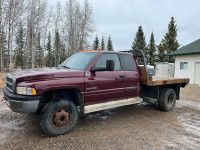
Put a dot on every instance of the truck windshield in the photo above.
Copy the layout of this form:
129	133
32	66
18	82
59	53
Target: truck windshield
79	61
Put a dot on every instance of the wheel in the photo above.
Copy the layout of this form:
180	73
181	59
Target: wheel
167	100
59	117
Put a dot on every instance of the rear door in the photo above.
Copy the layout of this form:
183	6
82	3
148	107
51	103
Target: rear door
132	83
103	86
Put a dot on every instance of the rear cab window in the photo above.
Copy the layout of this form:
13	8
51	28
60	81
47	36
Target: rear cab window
127	62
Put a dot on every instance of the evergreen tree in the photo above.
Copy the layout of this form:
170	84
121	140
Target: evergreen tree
49	57
96	43
62	53
161	56
102	43
139	42
170	43
109	44
151	50
57	47
39	52
19	55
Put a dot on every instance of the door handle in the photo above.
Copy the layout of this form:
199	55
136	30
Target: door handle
122	76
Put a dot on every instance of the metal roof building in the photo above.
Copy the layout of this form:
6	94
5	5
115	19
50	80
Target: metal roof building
187	62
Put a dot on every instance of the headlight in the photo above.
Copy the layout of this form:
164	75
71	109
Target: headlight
26	91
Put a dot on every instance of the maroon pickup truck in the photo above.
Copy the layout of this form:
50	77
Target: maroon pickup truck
87	82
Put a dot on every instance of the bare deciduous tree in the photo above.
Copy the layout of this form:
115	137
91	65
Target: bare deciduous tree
71	30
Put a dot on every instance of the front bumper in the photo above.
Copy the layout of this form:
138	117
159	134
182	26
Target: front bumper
21	103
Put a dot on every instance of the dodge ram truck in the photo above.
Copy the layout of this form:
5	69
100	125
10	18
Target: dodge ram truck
86	82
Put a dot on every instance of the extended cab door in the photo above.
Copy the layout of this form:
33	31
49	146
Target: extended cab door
102	86
131	75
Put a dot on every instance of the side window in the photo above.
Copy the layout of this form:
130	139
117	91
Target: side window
127	62
102	61
183	65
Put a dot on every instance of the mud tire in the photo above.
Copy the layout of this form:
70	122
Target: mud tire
48	112
167	100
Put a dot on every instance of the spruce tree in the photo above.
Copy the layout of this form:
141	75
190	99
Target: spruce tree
96	43
39	52
161	56
139	42
57	47
102	43
151	50
19	55
109	44
170	43
62	53
49	57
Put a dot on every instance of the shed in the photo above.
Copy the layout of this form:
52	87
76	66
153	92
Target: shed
187	62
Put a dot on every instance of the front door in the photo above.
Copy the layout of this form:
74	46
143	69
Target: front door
103	86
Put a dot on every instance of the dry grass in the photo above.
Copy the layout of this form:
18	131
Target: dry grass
191	91
2	79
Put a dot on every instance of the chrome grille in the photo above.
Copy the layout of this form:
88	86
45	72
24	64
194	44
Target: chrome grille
10	83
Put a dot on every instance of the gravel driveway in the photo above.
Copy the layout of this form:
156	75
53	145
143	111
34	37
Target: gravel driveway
131	127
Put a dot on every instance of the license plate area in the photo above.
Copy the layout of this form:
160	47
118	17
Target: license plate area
14	104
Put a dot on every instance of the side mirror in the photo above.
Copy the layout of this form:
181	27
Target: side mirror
110	65
94	69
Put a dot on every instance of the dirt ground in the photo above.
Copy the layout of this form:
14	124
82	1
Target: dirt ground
131	127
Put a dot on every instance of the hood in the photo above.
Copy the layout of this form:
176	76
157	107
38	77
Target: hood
46	73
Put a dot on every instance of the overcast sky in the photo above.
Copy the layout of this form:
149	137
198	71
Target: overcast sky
121	18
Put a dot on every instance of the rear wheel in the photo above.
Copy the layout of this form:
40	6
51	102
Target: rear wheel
59	117
167	100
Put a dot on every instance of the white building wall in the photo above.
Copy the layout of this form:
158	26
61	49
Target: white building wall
189	72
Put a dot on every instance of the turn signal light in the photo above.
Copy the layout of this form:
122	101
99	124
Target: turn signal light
33	92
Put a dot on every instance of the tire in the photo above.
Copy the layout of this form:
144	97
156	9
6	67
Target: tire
59	117
167	100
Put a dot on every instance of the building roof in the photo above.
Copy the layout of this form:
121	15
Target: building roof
192	48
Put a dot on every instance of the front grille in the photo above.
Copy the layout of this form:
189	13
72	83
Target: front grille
10	83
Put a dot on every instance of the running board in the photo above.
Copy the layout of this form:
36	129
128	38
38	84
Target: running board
111	104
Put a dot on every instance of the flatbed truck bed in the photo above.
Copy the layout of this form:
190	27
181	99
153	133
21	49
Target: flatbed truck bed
158	80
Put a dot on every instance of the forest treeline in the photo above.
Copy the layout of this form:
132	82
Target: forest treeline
34	35
157	53
153	53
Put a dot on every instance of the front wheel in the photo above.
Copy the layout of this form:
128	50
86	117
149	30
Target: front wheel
59	117
167	100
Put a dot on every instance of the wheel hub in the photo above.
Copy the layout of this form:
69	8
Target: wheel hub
61	118
170	100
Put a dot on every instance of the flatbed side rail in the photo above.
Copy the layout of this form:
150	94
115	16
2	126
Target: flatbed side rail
164	81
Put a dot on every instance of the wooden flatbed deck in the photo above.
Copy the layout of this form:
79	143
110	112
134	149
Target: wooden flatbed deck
157	80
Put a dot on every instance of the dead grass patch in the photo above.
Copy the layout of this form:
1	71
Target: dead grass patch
191	91
2	79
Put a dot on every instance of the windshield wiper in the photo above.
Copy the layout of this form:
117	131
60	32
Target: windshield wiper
66	67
